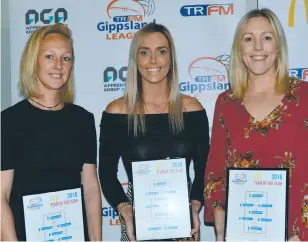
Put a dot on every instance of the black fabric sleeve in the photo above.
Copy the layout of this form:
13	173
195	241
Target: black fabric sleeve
7	142
108	161
200	127
90	142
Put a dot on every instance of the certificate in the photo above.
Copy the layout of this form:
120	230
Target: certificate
161	200
256	204
54	216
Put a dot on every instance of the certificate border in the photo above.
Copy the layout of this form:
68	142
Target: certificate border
188	197
260	169
82	204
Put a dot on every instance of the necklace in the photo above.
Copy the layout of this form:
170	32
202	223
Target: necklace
46	106
160	111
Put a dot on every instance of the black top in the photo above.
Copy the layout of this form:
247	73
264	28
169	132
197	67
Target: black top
46	149
158	143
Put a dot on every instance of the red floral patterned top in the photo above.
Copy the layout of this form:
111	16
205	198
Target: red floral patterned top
280	140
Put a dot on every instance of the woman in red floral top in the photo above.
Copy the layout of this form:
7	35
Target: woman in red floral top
261	122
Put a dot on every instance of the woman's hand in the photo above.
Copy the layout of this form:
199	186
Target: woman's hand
127	214
294	238
195	207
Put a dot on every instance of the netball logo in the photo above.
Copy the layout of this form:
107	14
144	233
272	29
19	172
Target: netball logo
126	16
207	74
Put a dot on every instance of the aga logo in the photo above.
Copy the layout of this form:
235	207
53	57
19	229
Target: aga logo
115	79
209	75
35	19
127	16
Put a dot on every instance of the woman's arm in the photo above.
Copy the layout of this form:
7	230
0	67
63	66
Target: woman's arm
199	129
93	202
215	175
8	232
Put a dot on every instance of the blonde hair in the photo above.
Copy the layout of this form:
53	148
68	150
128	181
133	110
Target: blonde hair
28	64
238	74
133	97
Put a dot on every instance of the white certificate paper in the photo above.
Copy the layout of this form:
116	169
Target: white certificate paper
54	216
161	201
256	205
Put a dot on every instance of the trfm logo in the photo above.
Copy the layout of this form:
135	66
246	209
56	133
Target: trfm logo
301	73
34	19
208	74
291	21
115	79
207	10
127	16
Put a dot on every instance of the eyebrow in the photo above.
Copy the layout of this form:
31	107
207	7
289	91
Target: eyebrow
264	32
147	48
68	52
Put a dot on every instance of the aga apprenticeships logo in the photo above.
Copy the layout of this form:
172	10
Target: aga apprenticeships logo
115	79
209	75
127	17
35	19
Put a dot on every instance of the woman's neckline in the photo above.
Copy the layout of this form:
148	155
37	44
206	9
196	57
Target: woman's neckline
45	110
155	114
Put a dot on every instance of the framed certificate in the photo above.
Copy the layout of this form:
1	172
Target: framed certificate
54	216
161	199
257	204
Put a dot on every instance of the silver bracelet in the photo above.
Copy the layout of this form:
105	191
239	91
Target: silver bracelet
123	206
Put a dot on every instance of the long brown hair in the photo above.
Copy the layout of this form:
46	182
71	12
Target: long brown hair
133	93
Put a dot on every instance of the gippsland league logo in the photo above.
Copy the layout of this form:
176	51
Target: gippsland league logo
143	169
127	17
240	179
111	216
208	75
35	203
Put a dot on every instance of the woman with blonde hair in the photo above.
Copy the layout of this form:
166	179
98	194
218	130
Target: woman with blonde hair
262	122
48	144
152	121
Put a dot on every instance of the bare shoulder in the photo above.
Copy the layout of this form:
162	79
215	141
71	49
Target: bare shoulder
116	106
191	104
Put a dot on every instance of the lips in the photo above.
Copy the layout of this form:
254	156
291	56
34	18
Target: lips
153	69
56	75
258	57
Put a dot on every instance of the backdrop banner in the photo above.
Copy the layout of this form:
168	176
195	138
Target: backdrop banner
102	31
